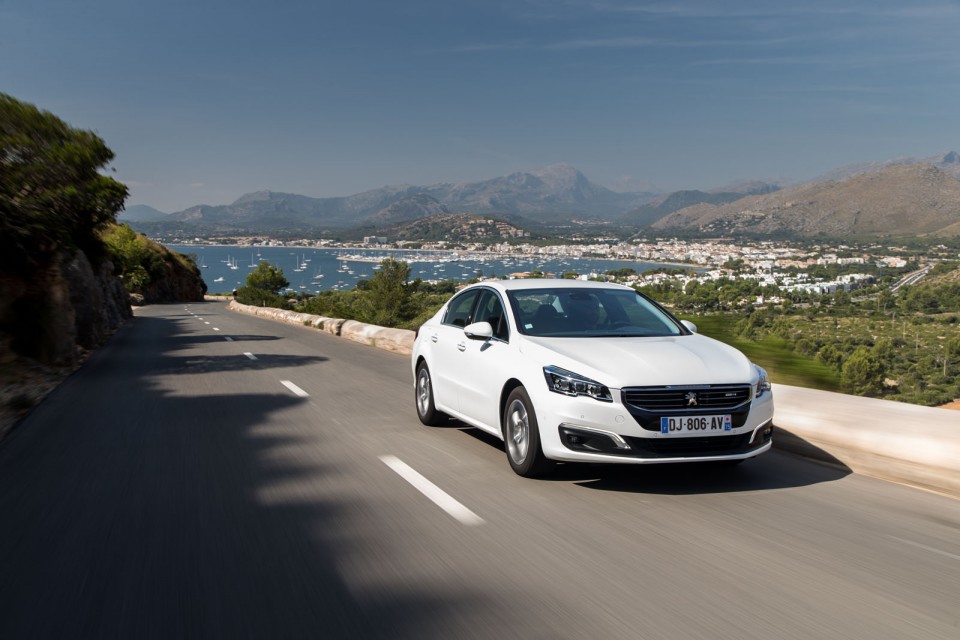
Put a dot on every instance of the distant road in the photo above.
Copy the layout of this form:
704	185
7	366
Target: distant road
214	475
911	278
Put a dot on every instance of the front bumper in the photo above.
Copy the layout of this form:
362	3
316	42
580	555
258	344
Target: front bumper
581	429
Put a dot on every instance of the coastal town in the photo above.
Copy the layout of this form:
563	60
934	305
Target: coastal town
787	265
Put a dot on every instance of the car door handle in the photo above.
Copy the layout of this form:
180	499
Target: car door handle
462	346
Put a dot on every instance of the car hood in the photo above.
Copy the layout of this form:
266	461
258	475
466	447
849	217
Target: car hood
628	362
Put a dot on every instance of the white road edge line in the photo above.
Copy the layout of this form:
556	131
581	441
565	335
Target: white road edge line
923	546
251	356
437	495
296	390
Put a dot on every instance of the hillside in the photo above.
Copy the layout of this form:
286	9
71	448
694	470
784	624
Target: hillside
647	214
899	200
951	277
453	227
141	213
413	207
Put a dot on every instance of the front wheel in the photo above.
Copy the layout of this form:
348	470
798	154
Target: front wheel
521	436
426	410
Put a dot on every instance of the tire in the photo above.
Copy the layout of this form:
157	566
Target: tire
521	436
423	398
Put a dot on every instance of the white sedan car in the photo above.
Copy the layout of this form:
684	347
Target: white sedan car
567	370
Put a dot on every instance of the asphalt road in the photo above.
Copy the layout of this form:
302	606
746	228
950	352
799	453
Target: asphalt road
187	485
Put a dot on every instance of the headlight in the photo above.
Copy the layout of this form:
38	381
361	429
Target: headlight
570	384
763	382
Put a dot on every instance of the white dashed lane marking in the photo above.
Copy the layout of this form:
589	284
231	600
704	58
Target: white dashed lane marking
437	495
250	355
296	390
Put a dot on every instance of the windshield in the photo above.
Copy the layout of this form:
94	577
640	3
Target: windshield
570	312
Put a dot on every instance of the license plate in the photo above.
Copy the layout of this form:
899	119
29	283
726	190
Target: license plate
695	425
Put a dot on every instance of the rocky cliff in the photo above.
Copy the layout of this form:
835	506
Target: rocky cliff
60	308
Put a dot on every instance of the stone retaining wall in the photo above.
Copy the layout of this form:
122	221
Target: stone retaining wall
395	340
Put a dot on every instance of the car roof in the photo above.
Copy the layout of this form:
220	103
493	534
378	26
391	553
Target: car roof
547	283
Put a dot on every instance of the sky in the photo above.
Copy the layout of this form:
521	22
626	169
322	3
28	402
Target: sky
203	101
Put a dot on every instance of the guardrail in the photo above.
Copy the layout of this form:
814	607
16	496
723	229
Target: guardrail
909	444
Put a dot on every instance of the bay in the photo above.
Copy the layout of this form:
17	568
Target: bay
311	270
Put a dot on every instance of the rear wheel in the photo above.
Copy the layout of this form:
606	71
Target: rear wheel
521	435
426	410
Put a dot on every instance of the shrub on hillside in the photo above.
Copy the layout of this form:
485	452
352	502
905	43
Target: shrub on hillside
261	298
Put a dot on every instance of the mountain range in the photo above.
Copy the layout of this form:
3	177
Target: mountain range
896	199
890	198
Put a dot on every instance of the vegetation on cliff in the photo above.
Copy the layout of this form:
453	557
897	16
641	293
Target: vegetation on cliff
57	289
151	270
53	195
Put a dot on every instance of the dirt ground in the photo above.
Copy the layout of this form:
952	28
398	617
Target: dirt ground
23	385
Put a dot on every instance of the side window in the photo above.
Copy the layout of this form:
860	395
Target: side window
490	309
458	311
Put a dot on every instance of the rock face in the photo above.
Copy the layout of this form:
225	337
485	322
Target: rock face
61	308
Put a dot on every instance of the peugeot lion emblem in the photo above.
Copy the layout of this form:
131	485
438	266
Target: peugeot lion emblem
691	399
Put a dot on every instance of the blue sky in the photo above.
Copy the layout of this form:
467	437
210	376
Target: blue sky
203	101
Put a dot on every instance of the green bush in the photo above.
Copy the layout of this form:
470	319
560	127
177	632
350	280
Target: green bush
261	298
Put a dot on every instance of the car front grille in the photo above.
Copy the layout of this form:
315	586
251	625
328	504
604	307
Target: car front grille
716	397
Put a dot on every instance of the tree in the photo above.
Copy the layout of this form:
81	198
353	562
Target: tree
386	299
831	356
267	277
52	194
263	287
862	373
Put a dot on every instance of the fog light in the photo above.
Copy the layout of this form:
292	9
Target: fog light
593	440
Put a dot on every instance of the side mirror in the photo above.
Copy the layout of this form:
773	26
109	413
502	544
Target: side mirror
689	325
479	331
